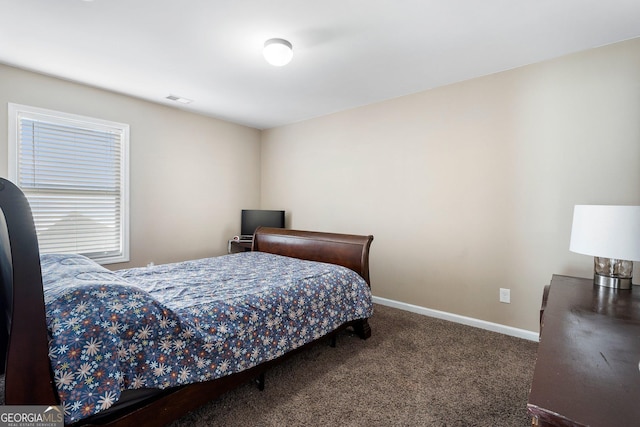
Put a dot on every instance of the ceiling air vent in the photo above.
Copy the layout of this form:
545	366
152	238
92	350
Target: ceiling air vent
179	99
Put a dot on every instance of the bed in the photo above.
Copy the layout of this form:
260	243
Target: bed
38	329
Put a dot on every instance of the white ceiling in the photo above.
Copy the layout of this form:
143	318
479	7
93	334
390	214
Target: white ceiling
347	53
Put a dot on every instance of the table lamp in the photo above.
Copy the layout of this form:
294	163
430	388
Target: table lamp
611	234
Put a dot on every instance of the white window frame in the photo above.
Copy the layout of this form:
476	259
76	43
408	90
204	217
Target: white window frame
18	112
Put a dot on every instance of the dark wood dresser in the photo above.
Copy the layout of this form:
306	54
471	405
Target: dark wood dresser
587	370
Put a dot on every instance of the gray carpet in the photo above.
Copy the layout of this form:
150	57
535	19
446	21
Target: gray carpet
413	371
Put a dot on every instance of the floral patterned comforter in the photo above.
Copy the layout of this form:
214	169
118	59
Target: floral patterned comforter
174	324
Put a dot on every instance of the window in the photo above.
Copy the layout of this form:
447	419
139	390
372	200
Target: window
74	172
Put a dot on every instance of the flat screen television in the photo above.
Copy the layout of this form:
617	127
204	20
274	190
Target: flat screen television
254	218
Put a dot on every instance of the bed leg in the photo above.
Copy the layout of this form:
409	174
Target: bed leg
362	328
260	382
332	343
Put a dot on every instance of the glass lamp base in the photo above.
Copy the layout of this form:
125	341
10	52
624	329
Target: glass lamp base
613	273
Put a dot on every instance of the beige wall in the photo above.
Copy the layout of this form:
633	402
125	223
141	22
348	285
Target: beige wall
470	188
186	191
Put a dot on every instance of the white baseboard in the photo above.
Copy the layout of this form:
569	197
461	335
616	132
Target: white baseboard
469	321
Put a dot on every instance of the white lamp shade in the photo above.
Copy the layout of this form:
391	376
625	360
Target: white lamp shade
606	231
277	52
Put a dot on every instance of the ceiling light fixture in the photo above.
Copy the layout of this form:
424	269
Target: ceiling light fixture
277	52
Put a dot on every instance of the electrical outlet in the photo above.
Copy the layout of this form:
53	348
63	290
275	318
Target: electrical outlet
505	295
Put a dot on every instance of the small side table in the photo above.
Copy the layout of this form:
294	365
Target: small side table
236	246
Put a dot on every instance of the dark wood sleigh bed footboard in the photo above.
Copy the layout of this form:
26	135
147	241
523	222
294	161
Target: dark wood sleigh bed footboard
24	336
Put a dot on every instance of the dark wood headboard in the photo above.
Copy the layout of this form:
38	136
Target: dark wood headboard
347	250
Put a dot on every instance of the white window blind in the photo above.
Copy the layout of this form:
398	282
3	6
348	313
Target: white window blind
73	170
